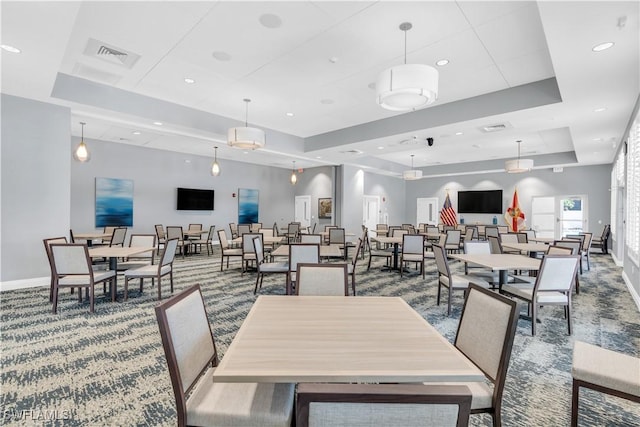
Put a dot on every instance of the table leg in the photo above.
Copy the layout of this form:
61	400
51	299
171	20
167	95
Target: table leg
503	278
113	265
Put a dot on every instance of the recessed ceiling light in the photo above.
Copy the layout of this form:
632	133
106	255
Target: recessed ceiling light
372	85
381	148
270	20
157	123
459	133
442	62
289	114
221	56
189	80
602	46
318	157
599	110
326	101
187	161
136	132
10	48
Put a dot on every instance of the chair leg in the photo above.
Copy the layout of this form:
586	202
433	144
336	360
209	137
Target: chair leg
91	291
568	308
574	404
141	284
534	316
170	280
126	288
255	289
55	299
449	300
159	288
353	282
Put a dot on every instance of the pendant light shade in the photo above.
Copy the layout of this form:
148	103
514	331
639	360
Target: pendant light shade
215	167
412	174
518	165
246	138
407	87
294	178
81	153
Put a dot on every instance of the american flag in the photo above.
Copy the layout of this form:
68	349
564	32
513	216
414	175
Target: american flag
448	214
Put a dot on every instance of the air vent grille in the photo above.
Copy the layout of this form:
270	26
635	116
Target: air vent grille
111	54
495	127
120	56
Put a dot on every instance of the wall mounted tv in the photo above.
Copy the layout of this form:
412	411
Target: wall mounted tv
487	202
192	199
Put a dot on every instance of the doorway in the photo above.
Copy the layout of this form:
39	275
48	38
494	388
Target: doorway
371	211
303	211
557	216
427	211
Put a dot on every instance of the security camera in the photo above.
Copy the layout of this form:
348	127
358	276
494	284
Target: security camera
430	142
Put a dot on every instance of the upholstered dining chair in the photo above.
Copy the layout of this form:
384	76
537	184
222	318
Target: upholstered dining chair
389	405
207	241
412	251
47	248
266	267
311	238
248	253
581	238
321	279
161	237
225	250
552	287
154	272
337	236
602	242
73	269
118	237
491	231
452	243
575	247
191	355
300	253
233	229
175	232
450	281
480	247
496	246
139	260
487	348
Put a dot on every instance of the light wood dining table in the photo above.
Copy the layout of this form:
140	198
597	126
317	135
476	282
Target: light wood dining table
501	263
532	248
290	339
90	237
326	251
115	252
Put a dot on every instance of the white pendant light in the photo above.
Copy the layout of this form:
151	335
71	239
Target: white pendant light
518	165
245	137
81	153
412	174
293	178
215	167
407	87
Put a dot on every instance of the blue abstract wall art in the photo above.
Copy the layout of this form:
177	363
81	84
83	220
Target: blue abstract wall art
248	202
114	202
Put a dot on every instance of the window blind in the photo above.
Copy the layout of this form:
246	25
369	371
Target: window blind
633	192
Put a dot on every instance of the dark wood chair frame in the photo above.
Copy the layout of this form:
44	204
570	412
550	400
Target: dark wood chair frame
597	387
343	267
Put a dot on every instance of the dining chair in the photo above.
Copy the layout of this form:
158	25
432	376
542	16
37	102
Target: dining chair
118	237
266	267
311	238
480	247
73	269
351	267
452	282
581	238
503	229
267	246
243	228
428	253
142	259
153	272
508	238
313	279
488	348
191	356
233	229
207	241
552	287
248	253
161	237
293	231
491	231
225	250
602	242
496	246
47	248
300	253
380	253
452	243
175	232
586	248
412	251
575	247
108	230
255	227
337	237
522	237
389	405
191	238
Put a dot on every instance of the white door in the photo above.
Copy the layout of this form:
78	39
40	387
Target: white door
303	211
543	216
427	211
557	216
371	211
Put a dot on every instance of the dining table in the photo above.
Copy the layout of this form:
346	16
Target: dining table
501	263
396	241
326	251
532	248
340	339
91	236
115	252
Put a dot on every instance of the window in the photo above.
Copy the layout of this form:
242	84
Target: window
633	192
617	181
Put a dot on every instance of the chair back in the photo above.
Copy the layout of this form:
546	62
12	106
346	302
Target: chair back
247	242
468	234
160	232
255	227
243	229
496	247
477	247
558	250
491	231
359	248
311	238
329	227
174	232
293	227
580	237
188	343
522	237
259	251
413	244
71	259
169	253
148	240
233	228
47	249
446	228
442	265
586	244
508	238
303	253
195	227
389	405
266	232
118	236
336	236
488	348
397	232
108	230
573	244
531	234
276	230
321	279
453	237
503	229
212	230
222	236
557	273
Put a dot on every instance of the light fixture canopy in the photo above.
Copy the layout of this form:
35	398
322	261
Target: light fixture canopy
215	167
293	178
246	138
413	174
81	153
407	87
518	165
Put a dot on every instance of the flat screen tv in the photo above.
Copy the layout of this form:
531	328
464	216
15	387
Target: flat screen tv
487	202
192	199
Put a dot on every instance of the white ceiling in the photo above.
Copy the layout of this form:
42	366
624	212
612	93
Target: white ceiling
320	64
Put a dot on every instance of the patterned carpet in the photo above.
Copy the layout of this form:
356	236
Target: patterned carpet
109	368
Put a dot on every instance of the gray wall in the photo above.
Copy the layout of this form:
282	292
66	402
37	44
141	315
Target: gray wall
35	184
392	197
317	183
593	181
157	174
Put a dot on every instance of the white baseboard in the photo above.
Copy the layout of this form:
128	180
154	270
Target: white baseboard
632	290
24	283
615	259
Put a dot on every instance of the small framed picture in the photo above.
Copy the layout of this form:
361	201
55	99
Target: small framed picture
325	208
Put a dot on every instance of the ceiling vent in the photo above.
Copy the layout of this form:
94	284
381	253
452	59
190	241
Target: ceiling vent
351	152
109	53
496	127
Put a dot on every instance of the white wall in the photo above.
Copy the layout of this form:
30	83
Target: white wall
35	184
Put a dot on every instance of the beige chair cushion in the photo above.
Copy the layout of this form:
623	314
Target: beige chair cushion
481	393
462	282
607	368
526	292
274	267
413	257
233	252
147	271
240	404
83	279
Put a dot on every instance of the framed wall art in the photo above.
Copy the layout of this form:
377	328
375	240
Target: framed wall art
325	208
114	202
